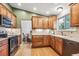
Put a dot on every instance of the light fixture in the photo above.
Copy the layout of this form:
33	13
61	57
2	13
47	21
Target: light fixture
47	12
34	8
19	4
59	9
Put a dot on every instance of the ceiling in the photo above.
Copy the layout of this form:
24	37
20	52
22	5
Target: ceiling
41	8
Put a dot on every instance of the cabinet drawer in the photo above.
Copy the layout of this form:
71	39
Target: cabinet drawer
37	44
4	42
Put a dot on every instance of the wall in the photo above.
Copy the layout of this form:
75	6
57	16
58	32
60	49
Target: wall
22	15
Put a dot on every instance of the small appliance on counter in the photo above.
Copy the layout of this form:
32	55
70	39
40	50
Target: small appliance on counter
3	32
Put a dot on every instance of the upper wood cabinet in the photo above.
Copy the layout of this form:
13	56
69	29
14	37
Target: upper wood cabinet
40	22
34	22
52	20
14	25
5	12
74	15
1	9
45	23
9	15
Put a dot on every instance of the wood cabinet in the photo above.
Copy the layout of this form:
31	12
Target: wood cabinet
59	45
37	40
46	40
34	22
52	20
14	25
75	15
1	9
40	40
5	12
40	22
52	42
45	23
4	47
9	15
4	51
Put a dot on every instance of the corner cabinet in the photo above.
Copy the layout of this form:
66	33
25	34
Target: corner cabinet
59	45
75	15
52	20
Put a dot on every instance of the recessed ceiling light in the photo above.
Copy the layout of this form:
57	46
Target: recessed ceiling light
59	9
19	4
47	12
34	8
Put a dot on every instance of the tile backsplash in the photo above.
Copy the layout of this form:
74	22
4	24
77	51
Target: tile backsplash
69	33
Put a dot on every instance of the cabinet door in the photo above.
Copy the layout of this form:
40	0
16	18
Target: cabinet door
4	11
9	14
1	9
40	22
52	20
37	41
59	45
14	21
46	40
34	22
75	15
45	23
52	42
4	50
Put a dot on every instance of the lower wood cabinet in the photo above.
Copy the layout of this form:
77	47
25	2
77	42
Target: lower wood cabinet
40	40
52	42
4	51
46	40
4	48
59	45
37	40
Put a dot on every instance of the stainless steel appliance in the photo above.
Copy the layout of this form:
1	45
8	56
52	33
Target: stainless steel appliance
13	44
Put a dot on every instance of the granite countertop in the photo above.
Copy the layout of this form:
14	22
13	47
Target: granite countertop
7	37
60	36
1	39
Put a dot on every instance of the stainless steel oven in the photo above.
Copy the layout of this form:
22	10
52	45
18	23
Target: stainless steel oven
13	44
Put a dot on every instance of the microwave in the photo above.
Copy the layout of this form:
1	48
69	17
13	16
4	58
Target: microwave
5	21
